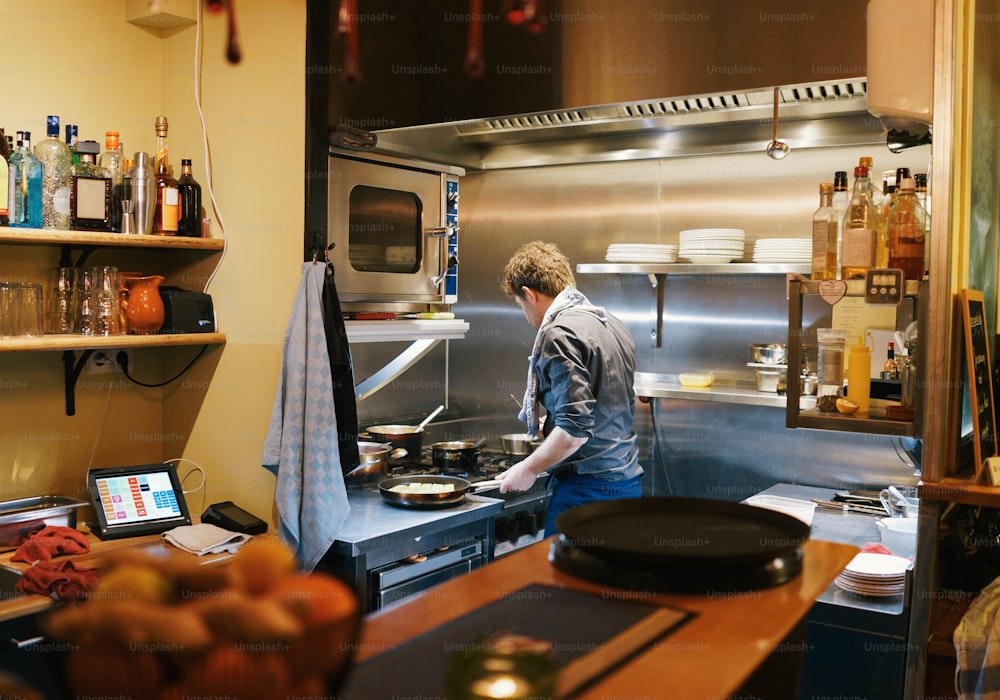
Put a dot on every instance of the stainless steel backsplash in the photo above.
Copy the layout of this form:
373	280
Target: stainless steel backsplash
702	448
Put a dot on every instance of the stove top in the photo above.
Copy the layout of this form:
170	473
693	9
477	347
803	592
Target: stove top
489	463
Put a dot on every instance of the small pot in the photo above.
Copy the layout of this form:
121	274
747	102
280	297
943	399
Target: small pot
769	353
457	455
374	461
407	437
518	444
769	379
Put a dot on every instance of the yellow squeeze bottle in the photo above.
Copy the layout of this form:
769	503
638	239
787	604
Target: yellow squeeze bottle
859	382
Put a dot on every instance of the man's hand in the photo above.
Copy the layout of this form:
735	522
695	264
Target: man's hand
517	478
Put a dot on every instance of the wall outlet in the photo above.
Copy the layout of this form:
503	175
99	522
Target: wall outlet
103	361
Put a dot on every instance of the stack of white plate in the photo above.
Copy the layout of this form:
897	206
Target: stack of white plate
789	250
877	575
711	246
641	253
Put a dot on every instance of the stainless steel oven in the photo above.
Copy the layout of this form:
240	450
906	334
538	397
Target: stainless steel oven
394	226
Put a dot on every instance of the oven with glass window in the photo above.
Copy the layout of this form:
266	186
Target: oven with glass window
393	224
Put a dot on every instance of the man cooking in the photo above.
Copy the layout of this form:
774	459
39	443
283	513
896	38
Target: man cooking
581	370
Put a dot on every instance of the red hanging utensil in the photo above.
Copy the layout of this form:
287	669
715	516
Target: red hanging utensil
347	28
474	62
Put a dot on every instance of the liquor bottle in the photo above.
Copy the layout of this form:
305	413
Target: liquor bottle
112	159
27	210
90	191
56	162
860	229
867	162
72	132
167	207
841	198
189	223
890	370
881	244
824	236
907	229
4	178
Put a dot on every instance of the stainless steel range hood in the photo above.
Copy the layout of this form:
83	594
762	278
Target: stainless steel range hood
811	115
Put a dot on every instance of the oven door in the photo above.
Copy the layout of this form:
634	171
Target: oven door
391	229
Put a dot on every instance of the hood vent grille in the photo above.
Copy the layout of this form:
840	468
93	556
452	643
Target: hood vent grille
697	124
696	104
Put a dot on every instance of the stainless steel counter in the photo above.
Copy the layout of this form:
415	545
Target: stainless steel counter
374	524
846	528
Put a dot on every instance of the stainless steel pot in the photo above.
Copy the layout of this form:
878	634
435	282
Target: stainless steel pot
518	444
456	455
374	463
769	353
407	437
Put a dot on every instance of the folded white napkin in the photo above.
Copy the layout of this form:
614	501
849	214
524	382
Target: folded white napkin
205	538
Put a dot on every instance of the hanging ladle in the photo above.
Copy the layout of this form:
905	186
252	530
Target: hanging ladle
776	149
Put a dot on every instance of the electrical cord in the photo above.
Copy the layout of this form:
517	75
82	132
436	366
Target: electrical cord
197	468
122	359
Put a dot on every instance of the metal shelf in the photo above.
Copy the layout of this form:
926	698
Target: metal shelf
667	386
405	329
658	273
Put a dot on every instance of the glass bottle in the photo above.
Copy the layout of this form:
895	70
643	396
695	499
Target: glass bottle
112	159
841	197
857	253
907	227
824	236
877	194
27	212
890	370
189	223
167	208
4	178
56	162
72	131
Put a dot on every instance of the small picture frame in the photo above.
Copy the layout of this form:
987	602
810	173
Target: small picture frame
90	203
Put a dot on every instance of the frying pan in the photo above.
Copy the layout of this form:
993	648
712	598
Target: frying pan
429	500
673	532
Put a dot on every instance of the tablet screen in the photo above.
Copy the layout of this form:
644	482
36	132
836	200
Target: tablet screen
139	500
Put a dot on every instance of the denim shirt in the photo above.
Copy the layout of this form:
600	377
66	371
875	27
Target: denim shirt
586	372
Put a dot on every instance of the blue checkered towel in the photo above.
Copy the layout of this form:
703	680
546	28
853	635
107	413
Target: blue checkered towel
301	447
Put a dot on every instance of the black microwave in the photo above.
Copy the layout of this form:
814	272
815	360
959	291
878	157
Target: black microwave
394	226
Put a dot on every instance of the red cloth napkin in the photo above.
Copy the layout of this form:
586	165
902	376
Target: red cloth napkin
59	579
51	542
875	548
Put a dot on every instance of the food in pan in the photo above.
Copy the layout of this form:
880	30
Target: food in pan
422	487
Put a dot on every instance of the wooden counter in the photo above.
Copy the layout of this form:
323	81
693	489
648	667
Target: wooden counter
710	656
28	604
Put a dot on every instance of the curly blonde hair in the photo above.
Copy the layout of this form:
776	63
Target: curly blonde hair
540	266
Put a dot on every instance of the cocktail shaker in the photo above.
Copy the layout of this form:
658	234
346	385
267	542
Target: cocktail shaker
140	189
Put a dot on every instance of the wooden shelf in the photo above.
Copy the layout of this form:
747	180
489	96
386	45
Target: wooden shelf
825	420
946	613
32	236
961	488
97	342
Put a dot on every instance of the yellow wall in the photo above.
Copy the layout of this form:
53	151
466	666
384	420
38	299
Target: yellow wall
85	63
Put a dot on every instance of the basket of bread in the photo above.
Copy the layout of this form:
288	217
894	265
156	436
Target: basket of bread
165	627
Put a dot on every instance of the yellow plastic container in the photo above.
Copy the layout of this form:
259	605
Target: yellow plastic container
859	381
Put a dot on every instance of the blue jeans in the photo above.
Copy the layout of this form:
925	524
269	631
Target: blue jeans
577	490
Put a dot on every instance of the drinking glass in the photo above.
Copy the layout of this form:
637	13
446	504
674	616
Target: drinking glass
830	364
28	302
59	307
105	310
83	292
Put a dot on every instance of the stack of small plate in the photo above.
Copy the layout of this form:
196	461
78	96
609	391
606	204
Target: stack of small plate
876	575
641	253
711	246
788	250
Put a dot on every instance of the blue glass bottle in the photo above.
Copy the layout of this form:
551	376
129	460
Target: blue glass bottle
27	185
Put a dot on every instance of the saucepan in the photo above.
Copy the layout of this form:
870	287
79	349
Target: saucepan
407	437
456	455
518	444
375	458
429	491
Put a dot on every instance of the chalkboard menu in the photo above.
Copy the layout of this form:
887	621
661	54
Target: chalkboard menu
977	354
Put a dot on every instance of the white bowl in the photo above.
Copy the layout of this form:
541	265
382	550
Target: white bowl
899	535
803	510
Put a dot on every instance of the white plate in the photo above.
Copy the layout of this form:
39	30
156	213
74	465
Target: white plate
870	564
733	232
708	259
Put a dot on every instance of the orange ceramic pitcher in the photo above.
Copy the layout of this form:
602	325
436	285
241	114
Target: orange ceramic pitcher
144	309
